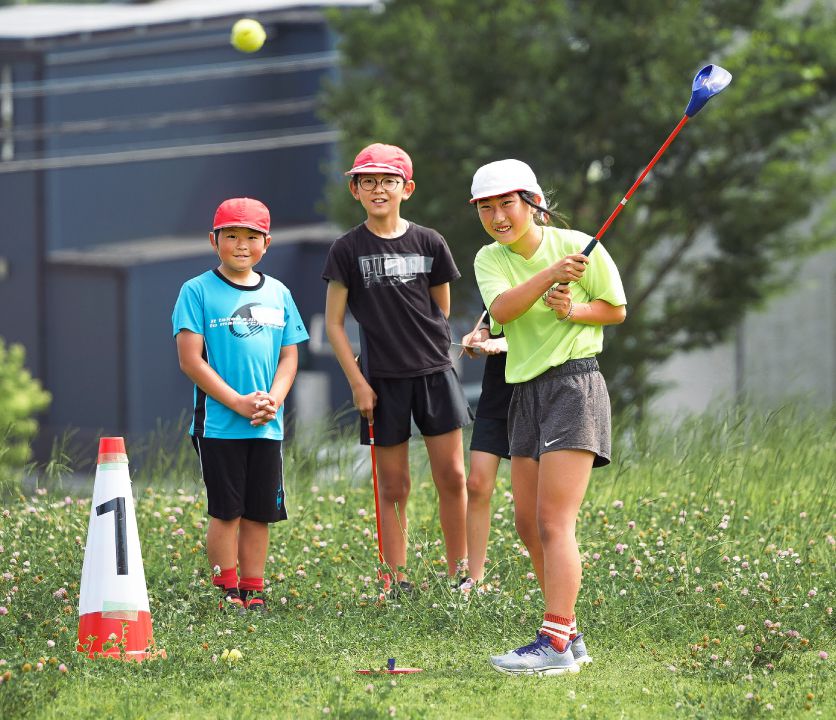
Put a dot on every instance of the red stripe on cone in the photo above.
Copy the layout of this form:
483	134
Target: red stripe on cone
132	630
112	449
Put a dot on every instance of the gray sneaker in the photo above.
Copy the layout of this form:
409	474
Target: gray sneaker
579	652
538	658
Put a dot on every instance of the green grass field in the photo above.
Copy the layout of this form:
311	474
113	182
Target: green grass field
708	592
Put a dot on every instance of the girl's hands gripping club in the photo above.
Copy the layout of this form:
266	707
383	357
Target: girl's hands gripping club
559	299
569	269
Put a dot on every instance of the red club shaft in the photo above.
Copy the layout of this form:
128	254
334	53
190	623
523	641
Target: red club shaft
641	177
376	498
636	184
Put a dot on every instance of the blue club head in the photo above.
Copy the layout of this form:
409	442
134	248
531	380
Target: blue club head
708	82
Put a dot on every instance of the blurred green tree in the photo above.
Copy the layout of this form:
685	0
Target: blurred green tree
586	92
21	398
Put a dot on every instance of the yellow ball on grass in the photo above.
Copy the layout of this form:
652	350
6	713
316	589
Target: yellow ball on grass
248	35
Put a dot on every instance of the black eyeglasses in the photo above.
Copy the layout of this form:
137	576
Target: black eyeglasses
368	183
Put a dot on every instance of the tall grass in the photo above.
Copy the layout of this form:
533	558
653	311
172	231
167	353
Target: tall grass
708	549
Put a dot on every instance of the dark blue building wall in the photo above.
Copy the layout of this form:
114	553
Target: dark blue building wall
97	330
150	198
155	387
83	362
21	240
19	246
100	205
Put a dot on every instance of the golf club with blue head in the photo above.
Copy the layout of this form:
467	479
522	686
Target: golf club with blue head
708	82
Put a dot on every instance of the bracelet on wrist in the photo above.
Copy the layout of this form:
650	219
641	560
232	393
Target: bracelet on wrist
568	315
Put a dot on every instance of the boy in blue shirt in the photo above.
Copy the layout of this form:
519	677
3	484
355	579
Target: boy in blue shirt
236	331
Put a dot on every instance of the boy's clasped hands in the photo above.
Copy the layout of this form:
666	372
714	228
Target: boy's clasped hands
259	406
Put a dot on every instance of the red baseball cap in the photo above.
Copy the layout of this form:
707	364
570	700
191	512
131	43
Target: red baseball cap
243	212
380	158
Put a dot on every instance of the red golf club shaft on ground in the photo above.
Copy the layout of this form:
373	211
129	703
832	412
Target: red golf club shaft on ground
588	249
376	502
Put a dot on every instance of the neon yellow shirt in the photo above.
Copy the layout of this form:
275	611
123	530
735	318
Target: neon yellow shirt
537	341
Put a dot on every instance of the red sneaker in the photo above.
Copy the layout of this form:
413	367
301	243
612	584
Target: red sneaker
231	600
256	603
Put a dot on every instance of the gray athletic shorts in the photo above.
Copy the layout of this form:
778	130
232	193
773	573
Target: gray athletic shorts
565	408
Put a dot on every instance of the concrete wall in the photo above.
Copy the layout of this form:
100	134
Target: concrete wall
785	350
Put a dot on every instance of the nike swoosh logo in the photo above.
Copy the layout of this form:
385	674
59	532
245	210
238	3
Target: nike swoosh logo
551	442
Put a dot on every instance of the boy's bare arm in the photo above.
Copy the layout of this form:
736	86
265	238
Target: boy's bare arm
270	403
441	297
190	353
285	374
336	301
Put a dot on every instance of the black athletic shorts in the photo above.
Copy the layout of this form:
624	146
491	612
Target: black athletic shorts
243	478
490	435
436	401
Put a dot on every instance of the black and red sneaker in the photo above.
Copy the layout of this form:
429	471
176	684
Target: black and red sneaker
231	600
256	603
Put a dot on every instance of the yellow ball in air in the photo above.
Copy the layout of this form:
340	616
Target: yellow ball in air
248	35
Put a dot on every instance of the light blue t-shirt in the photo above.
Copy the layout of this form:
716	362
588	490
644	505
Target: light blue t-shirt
244	329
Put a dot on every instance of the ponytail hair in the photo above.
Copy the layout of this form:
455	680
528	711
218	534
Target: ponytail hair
545	212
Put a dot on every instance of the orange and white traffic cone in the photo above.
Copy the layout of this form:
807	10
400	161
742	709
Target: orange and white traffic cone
115	619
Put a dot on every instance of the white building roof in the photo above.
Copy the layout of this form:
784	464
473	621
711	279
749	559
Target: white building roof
31	22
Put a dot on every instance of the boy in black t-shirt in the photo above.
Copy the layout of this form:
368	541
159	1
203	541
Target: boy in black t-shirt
395	277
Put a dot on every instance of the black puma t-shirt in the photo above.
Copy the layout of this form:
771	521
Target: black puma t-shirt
404	332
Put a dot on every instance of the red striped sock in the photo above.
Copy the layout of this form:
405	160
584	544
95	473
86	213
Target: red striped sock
251	584
573	628
227	579
557	629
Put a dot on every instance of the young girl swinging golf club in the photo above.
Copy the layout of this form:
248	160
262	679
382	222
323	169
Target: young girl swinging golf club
559	417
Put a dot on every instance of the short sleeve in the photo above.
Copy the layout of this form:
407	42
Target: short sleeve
492	281
489	276
188	310
444	268
602	280
338	263
294	327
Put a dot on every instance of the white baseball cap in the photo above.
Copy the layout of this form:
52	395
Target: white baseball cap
503	177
